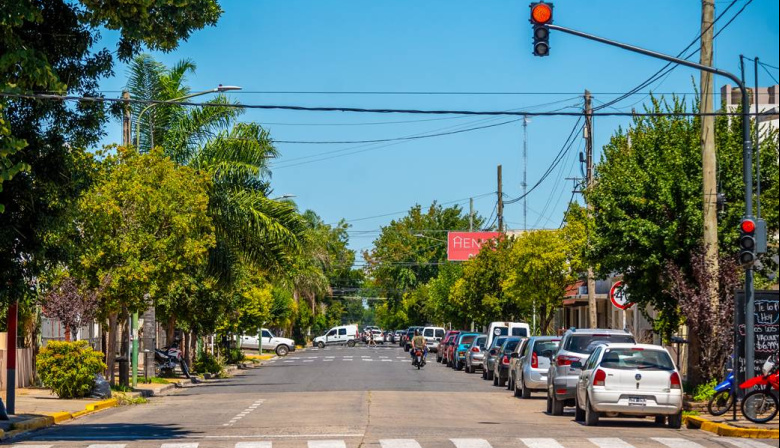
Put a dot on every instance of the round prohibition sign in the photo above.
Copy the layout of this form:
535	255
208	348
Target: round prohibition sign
619	296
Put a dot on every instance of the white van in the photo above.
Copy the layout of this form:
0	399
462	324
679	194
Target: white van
341	335
506	329
432	337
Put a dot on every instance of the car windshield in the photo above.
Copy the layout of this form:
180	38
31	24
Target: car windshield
467	339
586	343
498	342
511	345
480	342
543	346
636	359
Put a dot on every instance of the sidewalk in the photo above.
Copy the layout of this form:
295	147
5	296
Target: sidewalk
725	426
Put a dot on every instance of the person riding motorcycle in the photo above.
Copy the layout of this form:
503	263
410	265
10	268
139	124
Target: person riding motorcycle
418	341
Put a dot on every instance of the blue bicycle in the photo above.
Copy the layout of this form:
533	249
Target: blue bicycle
721	402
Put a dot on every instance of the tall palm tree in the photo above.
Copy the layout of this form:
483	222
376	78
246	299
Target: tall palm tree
249	226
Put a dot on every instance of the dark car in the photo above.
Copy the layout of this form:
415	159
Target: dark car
503	357
442	349
490	357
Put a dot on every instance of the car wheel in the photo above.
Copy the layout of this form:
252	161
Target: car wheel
579	414
518	391
557	406
350	343
282	350
490	375
524	391
591	416
501	381
510	384
675	421
438	358
406	349
549	403
484	374
660	420
321	344
495	380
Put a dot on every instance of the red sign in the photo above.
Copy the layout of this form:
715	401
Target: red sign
463	245
619	296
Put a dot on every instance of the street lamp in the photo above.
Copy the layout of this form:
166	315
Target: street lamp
282	197
219	89
420	235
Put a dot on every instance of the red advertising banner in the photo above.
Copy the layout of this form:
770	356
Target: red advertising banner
463	245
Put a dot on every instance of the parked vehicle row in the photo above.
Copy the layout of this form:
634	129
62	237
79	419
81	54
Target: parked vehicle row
598	372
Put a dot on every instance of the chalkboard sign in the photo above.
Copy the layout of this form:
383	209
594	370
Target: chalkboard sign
766	325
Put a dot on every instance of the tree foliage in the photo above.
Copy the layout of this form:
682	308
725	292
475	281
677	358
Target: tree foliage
73	303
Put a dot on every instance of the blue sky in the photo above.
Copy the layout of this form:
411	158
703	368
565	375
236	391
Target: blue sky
442	46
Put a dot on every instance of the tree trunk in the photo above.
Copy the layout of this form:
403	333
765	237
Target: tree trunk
113	328
170	329
67	333
193	348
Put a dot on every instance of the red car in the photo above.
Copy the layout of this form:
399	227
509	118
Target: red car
444	353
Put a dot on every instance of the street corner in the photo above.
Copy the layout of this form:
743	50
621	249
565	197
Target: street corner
727	430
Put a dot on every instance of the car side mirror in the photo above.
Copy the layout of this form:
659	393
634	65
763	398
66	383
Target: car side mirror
576	365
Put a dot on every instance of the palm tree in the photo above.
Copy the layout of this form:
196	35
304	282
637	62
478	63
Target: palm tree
249	226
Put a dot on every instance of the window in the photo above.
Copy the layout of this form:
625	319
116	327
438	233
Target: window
520	332
467	339
586	343
439	333
342	331
543	346
590	363
331	333
428	332
637	359
511	345
267	334
525	349
480	342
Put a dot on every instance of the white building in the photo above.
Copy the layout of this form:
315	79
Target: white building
768	102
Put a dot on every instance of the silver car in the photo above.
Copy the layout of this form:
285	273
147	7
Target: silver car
529	371
576	346
475	357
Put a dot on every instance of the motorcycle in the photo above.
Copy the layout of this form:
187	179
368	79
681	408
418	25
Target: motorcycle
760	405
723	399
418	360
167	358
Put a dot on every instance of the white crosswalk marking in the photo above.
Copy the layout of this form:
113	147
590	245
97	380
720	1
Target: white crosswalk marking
541	443
746	443
30	446
399	443
677	443
610	442
470	443
103	445
253	445
179	445
327	444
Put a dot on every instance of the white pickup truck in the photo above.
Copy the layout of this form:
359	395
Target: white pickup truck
281	346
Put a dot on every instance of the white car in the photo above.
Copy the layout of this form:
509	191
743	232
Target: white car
281	346
629	380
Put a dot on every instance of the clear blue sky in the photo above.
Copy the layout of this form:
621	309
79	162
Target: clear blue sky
442	45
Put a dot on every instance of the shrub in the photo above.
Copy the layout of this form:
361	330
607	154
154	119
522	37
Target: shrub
69	368
704	392
207	363
234	355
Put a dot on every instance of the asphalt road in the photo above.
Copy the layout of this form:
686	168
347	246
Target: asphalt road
357	397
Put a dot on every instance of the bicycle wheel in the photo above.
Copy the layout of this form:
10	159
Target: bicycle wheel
721	402
759	406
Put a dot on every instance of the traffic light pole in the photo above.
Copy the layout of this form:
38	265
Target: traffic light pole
742	372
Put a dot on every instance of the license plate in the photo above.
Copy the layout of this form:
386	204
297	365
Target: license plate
637	401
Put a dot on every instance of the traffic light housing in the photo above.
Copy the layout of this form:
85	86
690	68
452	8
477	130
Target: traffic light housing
747	242
541	17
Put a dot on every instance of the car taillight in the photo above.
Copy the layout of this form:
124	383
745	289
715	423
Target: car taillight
566	360
475	349
599	377
675	380
534	361
505	360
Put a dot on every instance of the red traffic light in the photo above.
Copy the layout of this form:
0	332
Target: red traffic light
541	13
748	226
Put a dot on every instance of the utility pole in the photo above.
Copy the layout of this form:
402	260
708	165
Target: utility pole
525	173
471	214
708	156
592	316
500	203
126	142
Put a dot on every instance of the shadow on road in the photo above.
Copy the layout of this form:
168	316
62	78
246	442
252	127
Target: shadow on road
112	432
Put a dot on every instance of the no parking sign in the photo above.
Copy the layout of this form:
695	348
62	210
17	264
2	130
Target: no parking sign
618	295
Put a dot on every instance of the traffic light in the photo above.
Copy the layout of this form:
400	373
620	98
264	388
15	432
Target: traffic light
541	16
747	242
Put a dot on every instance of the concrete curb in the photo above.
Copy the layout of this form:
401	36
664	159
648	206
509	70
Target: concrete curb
723	429
44	421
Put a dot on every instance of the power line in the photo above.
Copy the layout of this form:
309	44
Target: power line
348	142
404	211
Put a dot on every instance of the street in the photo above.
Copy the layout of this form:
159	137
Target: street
341	397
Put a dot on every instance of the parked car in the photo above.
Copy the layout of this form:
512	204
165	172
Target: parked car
390	336
501	362
576	345
460	348
441	349
341	335
432	337
490	357
281	346
449	349
379	335
476	354
528	372
399	337
408	337
497	329
629	380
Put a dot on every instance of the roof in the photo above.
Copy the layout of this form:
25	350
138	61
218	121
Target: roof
597	331
642	346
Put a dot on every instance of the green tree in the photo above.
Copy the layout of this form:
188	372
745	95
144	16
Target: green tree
648	205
